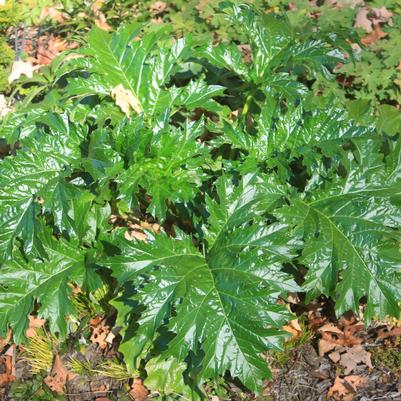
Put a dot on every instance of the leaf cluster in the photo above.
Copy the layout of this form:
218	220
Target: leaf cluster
257	191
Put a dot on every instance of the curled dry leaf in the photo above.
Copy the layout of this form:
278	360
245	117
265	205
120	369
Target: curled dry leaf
20	68
332	336
325	346
126	100
151	227
138	391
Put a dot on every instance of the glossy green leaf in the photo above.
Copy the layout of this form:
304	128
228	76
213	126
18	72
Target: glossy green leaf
26	179
43	281
351	238
228	294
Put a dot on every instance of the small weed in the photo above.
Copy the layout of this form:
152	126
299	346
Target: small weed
81	367
113	370
388	356
282	358
38	353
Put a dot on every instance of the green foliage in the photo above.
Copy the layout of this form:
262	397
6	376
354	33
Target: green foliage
5	62
10	14
258	193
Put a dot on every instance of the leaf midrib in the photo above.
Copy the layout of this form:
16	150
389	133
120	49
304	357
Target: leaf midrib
32	292
336	228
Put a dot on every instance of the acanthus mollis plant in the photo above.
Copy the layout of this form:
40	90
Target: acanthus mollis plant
257	194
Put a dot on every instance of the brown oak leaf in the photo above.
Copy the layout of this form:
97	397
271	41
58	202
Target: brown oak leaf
374	36
100	332
345	389
353	356
58	377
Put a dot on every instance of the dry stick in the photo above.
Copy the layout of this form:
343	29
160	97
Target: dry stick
17	48
16	34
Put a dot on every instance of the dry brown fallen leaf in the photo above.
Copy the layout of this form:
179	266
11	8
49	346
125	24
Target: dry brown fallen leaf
20	68
4	108
354	331
362	21
158	8
138	391
54	13
102	23
247	55
151	227
382	15
374	36
100	332
343	3
5	340
347	333
385	332
49	47
325	346
135	231
332	336
335	356
293	328
6	366
34	324
345	389
353	356
58	376
126	100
